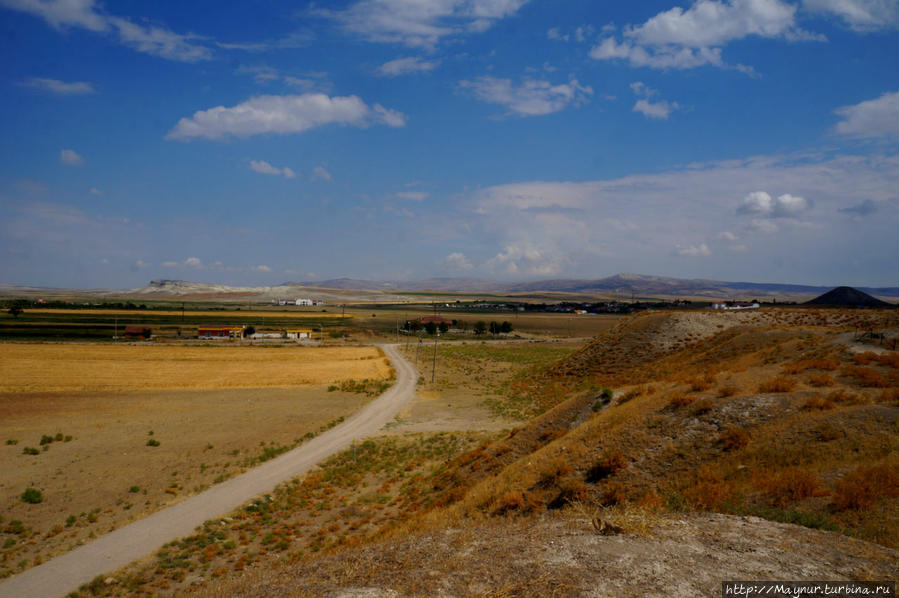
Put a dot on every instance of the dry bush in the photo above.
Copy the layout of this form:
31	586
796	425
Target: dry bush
778	384
820	380
509	501
610	464
844	396
613	493
552	472
679	400
700	384
702	407
818	402
826	363
728	391
828	431
571	490
709	491
890	396
867	377
734	438
863	486
889	360
789	486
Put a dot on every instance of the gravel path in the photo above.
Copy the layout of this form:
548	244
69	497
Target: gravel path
67	572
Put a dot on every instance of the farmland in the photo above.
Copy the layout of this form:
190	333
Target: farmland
110	433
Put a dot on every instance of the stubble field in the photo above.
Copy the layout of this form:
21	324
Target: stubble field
111	433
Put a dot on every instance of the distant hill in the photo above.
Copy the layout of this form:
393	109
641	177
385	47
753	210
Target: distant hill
848	297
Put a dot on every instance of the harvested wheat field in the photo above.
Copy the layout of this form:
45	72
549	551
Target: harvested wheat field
26	368
109	434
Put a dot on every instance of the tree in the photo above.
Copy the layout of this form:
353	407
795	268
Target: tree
480	327
494	327
443	328
14	311
505	327
249	331
431	328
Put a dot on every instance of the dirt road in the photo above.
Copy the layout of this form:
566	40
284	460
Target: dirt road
116	549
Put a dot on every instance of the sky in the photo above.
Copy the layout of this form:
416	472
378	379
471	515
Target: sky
257	143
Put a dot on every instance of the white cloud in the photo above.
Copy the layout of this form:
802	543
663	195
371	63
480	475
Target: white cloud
700	250
760	203
95	191
420	23
660	110
170	264
861	15
412	195
321	173
873	118
193	262
85	14
726	236
532	97
524	259
406	66
457	261
59	87
140	265
263	167
685	39
70	157
261	268
282	115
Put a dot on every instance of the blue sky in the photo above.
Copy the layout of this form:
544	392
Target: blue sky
258	143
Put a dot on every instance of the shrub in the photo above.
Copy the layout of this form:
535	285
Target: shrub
709	491
863	486
703	383
827	431
553	471
678	401
843	396
788	486
11	442
30	450
727	391
614	493
32	496
571	490
610	464
153	442
46	439
134	489
778	384
510	501
702	407
890	395
820	380
734	438
817	402
867	377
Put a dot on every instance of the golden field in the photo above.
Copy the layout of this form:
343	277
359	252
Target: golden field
31	368
241	314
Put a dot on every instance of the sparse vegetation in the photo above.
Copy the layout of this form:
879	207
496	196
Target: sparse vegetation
32	496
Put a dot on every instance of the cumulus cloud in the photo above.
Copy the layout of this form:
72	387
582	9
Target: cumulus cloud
282	115
70	157
659	110
761	204
59	87
261	268
872	118
531	97
524	260
860	15
85	14
422	23
457	261
407	66
263	167
193	262
863	208
686	39
700	250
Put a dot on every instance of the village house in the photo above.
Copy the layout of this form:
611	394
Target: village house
220	332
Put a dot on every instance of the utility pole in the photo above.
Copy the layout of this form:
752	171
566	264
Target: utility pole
417	349
434	370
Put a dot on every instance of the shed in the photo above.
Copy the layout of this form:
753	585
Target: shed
298	333
137	332
220	332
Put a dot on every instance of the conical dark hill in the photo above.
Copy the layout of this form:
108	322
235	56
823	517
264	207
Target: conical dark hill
848	297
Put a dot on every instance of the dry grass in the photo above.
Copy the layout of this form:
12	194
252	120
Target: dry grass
863	486
103	367
778	384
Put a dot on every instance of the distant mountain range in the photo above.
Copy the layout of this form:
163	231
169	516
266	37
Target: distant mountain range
620	284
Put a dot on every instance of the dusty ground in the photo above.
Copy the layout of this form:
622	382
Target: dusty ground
97	468
684	556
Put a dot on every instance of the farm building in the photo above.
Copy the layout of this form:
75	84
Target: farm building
137	332
435	319
220	332
736	305
299	333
